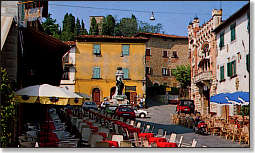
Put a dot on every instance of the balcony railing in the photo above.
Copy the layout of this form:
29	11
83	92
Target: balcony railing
203	76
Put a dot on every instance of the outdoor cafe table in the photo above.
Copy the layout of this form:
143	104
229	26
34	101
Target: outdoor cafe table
166	144
146	135
112	143
156	139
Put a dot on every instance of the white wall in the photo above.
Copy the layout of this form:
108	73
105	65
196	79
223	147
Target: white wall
239	45
71	82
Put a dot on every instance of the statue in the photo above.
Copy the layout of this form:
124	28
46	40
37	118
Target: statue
119	85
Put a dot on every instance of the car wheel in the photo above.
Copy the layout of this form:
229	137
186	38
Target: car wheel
142	115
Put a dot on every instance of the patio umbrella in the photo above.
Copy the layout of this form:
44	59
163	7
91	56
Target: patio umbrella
239	98
48	94
220	98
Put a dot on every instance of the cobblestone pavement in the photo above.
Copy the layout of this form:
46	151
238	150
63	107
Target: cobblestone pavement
160	116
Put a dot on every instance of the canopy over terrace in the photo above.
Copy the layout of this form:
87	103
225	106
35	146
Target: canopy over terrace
240	98
41	58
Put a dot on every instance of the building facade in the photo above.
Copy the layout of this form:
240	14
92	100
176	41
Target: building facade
233	54
202	47
99	20
163	54
68	77
97	60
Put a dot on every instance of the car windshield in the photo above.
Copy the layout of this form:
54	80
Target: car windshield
90	103
126	109
186	103
112	108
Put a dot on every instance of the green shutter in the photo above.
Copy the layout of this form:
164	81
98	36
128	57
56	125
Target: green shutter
96	72
248	62
125	50
234	67
222	73
125	71
228	69
96	49
233	31
221	39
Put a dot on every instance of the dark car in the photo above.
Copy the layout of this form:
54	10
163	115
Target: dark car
185	106
90	105
110	109
125	112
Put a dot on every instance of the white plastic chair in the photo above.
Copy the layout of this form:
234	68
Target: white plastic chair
117	138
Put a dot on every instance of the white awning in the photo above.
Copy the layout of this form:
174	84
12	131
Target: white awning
6	22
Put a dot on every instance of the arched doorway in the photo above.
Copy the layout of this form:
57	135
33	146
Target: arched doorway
113	89
96	96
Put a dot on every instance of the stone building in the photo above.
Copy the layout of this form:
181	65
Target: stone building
99	20
202	47
233	57
163	53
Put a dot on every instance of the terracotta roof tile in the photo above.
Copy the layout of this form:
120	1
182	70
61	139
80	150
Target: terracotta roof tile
111	37
70	43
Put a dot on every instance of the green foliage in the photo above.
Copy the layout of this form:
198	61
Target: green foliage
127	26
7	108
83	29
50	27
93	27
77	30
108	25
182	75
146	27
245	110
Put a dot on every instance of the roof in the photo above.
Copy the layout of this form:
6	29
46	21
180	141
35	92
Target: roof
232	17
70	43
110	38
6	22
161	35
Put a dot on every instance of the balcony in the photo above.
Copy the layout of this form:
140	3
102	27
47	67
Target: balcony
203	76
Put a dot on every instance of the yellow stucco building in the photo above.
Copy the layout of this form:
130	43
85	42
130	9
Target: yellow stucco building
97	59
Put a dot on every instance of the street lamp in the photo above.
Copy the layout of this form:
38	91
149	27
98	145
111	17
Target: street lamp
152	17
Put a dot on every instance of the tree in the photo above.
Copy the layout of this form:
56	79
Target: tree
77	30
182	75
108	25
104	27
127	26
50	27
146	27
83	29
67	33
93	27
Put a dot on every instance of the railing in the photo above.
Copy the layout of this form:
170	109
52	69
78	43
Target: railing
202	76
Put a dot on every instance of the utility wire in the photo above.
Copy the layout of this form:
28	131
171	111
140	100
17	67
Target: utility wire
126	10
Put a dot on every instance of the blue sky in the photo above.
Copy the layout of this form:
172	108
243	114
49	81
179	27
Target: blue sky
173	15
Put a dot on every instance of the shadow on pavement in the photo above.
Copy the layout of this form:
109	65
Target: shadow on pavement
169	128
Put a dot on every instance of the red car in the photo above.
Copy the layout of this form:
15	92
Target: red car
125	112
185	106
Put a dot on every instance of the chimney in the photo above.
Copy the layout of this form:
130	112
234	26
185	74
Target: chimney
217	17
195	22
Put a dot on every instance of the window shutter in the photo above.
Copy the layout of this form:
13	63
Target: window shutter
222	73
96	72
232	28
125	49
228	69
234	67
125	71
248	62
96	49
248	24
221	39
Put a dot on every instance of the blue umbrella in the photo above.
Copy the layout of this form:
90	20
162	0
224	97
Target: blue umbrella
239	97
220	98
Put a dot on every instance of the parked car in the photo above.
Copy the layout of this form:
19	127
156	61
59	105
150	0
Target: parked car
90	105
140	113
104	104
110	109
126	112
185	106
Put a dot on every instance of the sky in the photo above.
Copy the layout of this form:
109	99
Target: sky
173	15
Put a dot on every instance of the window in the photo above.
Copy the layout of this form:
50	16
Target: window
96	72
165	72
149	70
221	40
165	54
248	62
125	71
66	58
174	54
173	71
65	75
222	73
125	50
233	31
231	66
96	49
148	52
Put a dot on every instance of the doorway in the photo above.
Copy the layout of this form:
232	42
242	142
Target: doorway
96	96
112	92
